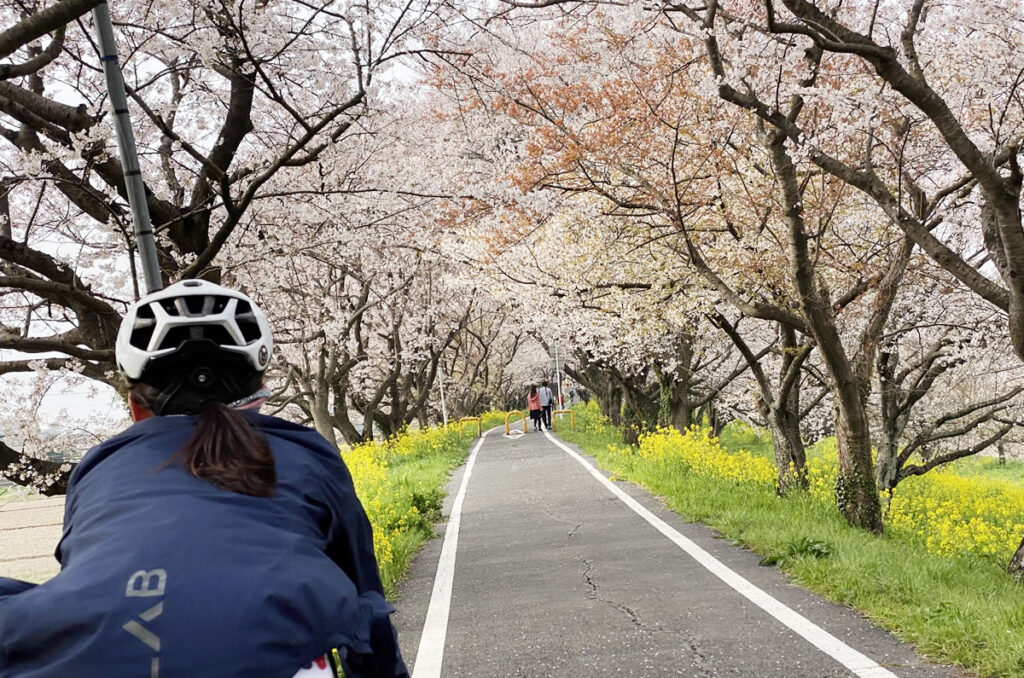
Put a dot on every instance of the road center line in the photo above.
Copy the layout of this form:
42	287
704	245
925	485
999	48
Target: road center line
859	664
431	650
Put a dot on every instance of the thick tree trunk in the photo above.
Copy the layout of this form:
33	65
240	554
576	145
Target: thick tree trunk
856	492
790	457
323	423
640	414
611	404
887	463
675	387
674	402
320	406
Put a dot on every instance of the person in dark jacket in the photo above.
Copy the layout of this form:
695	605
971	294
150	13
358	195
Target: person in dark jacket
206	540
547	399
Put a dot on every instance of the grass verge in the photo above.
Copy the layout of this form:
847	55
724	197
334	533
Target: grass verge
960	609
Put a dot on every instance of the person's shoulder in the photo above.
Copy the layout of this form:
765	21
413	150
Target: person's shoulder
281	431
126	438
277	426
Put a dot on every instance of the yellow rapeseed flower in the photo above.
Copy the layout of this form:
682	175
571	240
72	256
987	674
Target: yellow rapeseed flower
948	513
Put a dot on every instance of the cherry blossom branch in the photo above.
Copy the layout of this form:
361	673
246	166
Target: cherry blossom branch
288	158
11	366
753	362
45	57
46	477
938	460
42	22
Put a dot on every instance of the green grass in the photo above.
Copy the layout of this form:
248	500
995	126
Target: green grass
990	467
739	436
16	493
420	483
959	610
419	480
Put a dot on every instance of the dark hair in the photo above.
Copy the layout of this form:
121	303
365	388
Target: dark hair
224	448
533	389
544	383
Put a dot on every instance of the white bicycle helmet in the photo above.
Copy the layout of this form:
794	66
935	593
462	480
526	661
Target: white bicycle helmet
164	331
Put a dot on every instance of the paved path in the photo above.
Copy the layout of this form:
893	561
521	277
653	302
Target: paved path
29	532
555	575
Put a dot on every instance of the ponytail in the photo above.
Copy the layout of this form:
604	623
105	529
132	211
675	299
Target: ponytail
224	448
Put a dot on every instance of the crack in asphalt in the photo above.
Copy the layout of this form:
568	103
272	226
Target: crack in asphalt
699	660
560	518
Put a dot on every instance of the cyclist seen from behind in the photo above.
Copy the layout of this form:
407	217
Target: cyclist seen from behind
206	540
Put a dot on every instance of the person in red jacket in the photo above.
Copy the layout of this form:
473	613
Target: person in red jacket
533	404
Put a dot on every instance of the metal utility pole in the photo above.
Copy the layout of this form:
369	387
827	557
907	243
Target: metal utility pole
134	186
440	382
558	376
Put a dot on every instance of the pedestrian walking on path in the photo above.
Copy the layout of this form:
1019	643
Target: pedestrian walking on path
547	399
206	540
533	404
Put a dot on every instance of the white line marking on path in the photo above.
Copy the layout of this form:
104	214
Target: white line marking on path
859	664
431	650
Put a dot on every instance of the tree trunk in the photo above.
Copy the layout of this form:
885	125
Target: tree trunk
856	492
714	421
673	402
323	426
887	464
611	404
322	420
1016	567
790	458
640	414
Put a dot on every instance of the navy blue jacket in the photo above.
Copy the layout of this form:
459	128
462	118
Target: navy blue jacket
163	574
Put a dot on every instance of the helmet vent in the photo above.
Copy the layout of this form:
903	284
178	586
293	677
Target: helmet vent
142	332
179	335
246	321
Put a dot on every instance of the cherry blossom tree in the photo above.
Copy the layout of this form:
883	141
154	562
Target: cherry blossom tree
949	383
234	105
779	405
479	367
658	151
924	110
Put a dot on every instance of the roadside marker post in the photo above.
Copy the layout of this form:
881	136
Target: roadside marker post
469	420
572	418
508	418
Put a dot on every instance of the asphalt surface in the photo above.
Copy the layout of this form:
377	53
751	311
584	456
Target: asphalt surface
556	576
